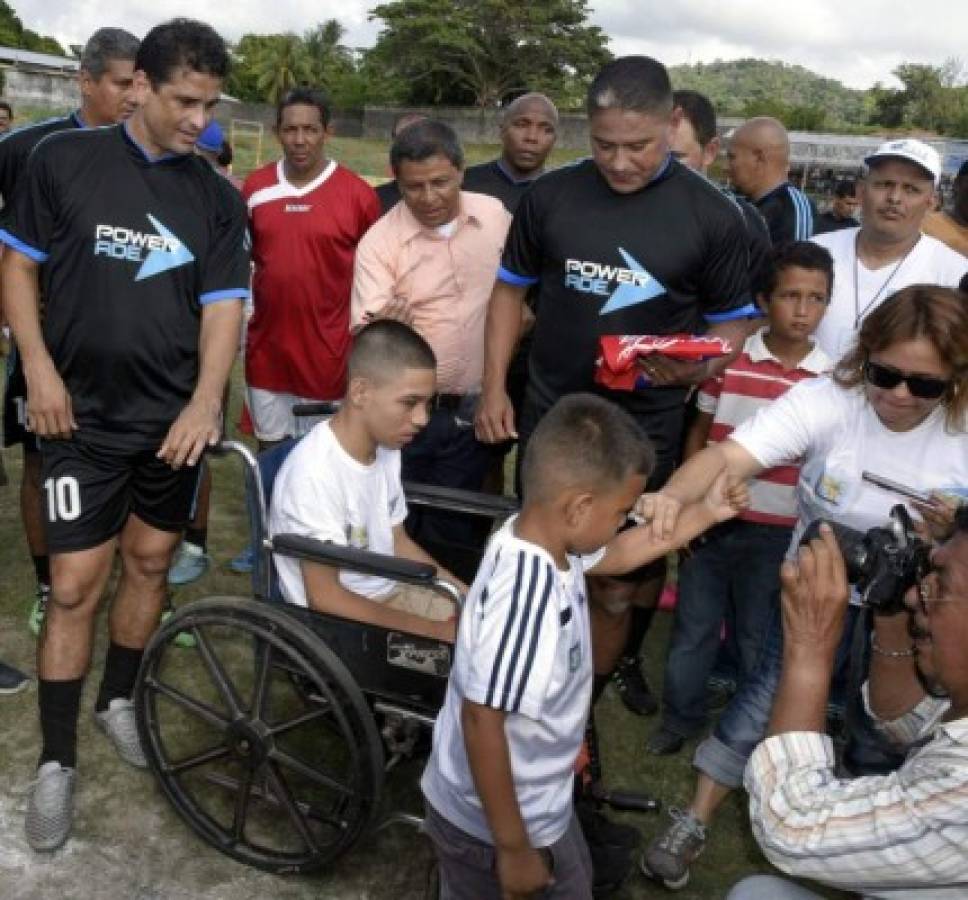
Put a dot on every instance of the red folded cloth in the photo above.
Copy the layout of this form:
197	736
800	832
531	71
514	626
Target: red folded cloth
617	368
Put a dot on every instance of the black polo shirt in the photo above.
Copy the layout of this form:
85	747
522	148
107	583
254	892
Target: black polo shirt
16	147
132	247
669	258
388	194
789	214
493	179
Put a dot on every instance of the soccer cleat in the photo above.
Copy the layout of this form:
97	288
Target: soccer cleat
118	723
672	851
51	808
12	680
190	564
633	688
35	618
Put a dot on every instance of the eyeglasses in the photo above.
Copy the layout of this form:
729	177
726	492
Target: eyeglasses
922	386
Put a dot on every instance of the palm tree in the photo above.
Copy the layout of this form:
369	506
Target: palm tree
328	56
283	63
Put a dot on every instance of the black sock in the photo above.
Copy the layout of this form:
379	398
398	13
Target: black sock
120	673
42	568
641	620
197	536
60	704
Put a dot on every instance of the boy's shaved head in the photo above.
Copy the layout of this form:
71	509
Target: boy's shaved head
585	442
382	350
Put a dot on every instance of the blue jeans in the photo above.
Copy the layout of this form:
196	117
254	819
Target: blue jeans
724	754
738	561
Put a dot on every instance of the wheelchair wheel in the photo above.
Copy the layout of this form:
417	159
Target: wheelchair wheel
279	778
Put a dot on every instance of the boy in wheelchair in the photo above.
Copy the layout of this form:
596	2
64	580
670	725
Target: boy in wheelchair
498	784
341	483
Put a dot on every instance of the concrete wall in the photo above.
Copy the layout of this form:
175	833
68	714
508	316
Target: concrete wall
54	90
473	126
346	123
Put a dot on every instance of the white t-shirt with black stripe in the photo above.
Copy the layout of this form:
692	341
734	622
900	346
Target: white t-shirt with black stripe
523	646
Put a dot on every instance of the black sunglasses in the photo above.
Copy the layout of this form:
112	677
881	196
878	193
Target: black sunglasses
922	386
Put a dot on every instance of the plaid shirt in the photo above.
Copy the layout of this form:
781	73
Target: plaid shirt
903	835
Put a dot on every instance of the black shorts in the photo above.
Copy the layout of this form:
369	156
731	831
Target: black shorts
91	485
15	407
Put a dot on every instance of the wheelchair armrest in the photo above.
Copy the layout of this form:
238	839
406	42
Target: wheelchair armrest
318	408
327	553
489	506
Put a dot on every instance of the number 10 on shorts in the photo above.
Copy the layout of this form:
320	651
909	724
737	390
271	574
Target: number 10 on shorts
63	498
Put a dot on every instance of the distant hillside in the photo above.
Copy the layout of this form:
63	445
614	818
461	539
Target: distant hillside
755	86
13	34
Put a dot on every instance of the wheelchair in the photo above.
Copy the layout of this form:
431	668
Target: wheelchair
273	735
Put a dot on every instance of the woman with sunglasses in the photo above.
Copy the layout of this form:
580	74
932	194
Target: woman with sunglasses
896	406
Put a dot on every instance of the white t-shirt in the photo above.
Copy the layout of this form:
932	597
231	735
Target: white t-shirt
929	262
322	492
523	646
839	436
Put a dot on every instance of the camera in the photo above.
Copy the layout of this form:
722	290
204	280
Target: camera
882	563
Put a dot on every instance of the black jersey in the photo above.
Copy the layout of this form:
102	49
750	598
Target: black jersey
132	247
388	194
789	213
16	147
669	258
828	221
492	179
759	242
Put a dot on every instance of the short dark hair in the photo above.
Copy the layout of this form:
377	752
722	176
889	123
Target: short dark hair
181	44
961	518
305	96
383	349
700	112
584	440
105	46
846	187
633	83
7	107
423	139
803	255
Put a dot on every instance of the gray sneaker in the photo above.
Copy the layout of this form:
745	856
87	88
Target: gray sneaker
51	807
118	723
670	853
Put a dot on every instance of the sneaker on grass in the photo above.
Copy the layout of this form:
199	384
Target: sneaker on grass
51	807
633	688
190	564
12	680
118	723
673	850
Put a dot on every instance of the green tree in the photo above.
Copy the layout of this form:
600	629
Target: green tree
281	63
931	97
482	51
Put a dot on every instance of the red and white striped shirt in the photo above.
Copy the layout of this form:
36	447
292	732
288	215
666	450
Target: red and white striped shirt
754	380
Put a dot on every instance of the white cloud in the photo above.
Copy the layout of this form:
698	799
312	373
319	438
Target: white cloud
857	42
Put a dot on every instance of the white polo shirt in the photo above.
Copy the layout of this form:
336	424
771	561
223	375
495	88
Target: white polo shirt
322	492
523	646
839	436
929	262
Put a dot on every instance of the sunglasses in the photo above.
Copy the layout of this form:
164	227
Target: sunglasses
922	386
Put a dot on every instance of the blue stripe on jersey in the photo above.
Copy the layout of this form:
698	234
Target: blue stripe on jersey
533	646
511	679
227	294
509	277
38	256
505	636
803	229
750	311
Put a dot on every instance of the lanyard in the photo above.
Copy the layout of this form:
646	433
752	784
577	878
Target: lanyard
858	312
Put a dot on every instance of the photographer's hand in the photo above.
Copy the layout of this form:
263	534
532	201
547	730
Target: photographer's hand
938	516
813	599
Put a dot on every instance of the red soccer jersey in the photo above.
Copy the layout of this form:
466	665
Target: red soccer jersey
303	244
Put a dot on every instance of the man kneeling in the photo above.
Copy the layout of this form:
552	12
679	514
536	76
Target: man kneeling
341	483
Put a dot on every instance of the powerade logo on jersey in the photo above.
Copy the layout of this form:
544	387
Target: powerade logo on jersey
624	286
157	252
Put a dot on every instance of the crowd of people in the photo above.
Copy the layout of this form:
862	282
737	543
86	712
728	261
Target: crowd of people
456	314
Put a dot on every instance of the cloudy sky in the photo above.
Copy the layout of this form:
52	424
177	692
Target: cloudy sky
858	42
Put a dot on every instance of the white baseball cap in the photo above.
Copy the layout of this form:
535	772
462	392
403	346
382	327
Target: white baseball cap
918	152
